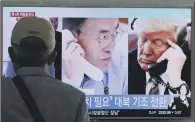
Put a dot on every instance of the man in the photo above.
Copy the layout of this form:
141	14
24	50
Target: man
156	42
54	21
58	48
95	40
32	53
55	70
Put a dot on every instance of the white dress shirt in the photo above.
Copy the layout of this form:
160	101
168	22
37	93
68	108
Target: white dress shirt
117	79
117	72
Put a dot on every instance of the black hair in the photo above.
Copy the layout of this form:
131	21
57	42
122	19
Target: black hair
187	88
32	51
73	24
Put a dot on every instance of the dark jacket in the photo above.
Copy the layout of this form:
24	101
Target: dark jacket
57	101
58	60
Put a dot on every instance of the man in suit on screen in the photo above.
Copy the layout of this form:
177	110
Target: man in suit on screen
157	40
96	39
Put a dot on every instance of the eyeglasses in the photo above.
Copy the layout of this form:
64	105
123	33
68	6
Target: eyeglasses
107	38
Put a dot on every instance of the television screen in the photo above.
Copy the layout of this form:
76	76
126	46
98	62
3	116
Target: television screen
130	62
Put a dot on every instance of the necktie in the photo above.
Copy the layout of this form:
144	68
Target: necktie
106	89
105	81
154	90
86	78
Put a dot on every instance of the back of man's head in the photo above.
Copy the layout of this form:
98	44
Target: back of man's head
32	42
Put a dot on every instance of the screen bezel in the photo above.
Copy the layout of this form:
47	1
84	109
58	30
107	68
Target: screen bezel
104	4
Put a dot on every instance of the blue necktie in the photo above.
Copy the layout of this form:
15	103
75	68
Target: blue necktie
86	78
106	89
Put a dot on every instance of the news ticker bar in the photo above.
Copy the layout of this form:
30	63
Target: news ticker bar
138	113
132	102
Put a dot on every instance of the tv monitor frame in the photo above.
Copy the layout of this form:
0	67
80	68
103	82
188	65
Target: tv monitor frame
115	4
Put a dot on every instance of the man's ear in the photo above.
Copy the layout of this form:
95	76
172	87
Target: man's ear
12	54
52	57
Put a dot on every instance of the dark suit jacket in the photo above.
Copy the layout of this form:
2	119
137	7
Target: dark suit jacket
58	60
137	76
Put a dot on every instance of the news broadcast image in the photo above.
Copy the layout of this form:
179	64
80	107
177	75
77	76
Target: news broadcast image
136	61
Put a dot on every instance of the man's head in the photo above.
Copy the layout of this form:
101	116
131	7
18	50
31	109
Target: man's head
96	36
32	43
54	21
152	41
